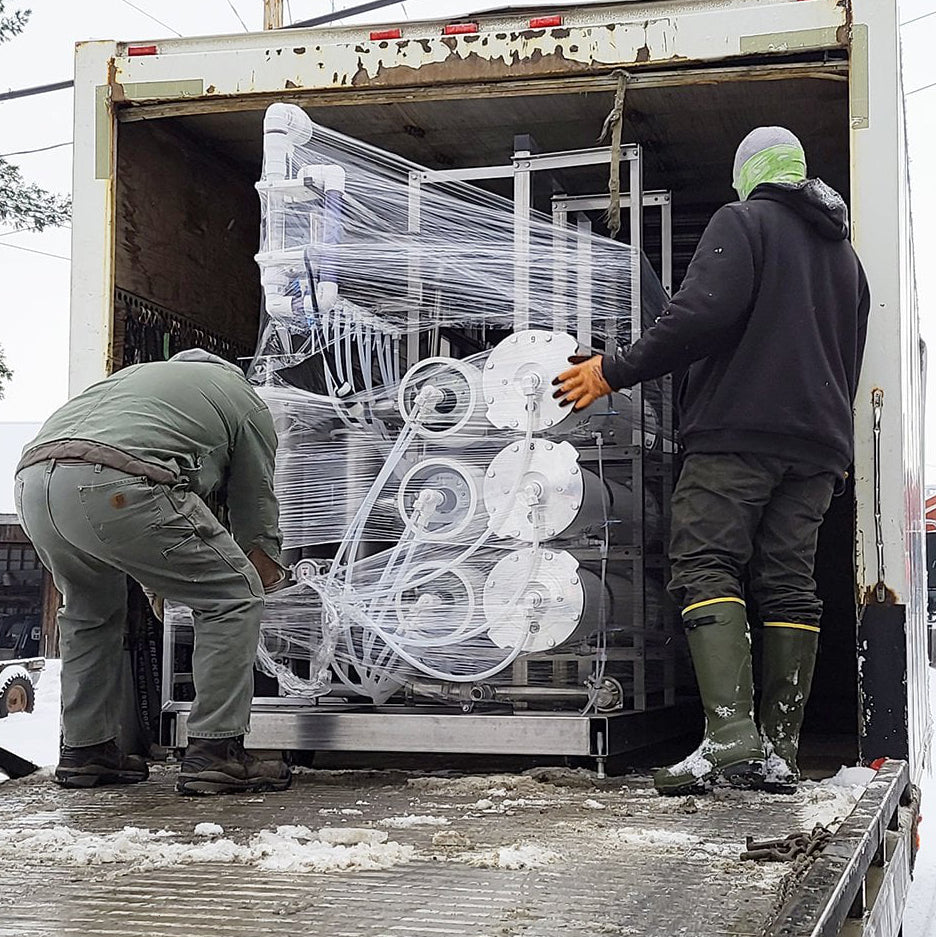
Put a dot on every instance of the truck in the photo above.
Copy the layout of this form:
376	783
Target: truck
169	149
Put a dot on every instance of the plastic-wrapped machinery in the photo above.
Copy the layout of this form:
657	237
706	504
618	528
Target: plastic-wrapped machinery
448	523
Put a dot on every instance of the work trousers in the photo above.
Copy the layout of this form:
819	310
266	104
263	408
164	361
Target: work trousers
92	526
733	512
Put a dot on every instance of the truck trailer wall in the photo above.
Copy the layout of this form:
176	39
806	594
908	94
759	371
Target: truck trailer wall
186	230
682	45
888	409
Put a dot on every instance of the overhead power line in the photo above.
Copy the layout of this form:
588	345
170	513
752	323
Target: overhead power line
6	234
916	19
932	84
39	149
36	89
234	11
133	6
343	14
32	250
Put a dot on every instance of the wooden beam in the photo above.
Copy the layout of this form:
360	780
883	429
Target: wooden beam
272	14
51	600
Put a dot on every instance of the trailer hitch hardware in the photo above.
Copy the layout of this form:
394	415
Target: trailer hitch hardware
791	847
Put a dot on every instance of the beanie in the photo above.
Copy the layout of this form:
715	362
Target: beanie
768	154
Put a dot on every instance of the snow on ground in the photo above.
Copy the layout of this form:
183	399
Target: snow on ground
35	735
285	849
920	916
409	820
829	801
515	856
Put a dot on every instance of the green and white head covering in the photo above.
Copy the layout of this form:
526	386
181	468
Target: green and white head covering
768	154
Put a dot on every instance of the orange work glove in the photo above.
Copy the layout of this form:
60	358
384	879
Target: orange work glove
583	383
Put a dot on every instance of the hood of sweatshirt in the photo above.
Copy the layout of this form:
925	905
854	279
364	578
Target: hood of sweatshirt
816	202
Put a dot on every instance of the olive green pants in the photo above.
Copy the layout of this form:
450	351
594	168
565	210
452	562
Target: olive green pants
92	526
740	512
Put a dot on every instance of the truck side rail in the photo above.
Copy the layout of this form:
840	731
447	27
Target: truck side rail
858	884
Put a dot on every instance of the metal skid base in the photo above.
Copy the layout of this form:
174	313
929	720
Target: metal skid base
328	727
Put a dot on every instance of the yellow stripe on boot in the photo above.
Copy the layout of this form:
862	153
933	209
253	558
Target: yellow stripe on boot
724	598
791	624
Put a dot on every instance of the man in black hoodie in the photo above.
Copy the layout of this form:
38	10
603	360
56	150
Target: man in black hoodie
769	325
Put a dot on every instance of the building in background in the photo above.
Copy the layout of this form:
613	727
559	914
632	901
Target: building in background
28	598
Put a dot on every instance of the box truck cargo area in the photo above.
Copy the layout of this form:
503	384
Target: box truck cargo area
187	220
191	247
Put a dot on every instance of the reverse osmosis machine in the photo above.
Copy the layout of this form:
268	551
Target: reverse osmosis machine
477	569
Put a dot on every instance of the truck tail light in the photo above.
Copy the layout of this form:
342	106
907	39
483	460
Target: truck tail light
459	29
386	34
545	22
141	50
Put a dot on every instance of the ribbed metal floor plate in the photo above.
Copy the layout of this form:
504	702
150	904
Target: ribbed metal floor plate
625	862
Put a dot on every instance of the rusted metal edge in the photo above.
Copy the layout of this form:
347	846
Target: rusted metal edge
820	904
129	110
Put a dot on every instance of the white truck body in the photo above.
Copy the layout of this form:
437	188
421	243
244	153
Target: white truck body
149	112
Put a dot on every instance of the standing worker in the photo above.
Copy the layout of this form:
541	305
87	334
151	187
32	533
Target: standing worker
113	486
770	322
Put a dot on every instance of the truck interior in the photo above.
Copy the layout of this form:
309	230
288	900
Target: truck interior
186	246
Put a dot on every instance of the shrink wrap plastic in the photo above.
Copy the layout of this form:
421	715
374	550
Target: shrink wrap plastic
431	513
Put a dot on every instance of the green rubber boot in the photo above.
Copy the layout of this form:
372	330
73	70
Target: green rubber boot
789	661
721	655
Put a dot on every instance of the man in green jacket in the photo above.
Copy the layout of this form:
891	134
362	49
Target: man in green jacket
112	486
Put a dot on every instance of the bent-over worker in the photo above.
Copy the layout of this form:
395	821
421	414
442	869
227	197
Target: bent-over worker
112	486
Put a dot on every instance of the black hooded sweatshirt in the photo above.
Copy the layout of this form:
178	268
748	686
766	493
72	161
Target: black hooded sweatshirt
770	322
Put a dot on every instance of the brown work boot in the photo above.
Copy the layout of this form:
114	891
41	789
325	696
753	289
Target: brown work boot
223	766
94	765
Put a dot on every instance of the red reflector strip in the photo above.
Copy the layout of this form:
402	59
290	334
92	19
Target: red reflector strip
459	29
141	50
386	34
545	22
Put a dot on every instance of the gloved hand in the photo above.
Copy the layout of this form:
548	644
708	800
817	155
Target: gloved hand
583	383
272	575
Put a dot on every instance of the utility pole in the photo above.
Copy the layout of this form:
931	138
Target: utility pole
272	14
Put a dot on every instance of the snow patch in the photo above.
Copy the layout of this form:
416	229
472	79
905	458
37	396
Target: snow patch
209	829
409	820
516	856
826	803
35	736
654	837
696	765
285	849
595	805
857	776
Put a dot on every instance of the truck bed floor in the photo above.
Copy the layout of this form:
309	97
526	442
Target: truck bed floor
549	852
